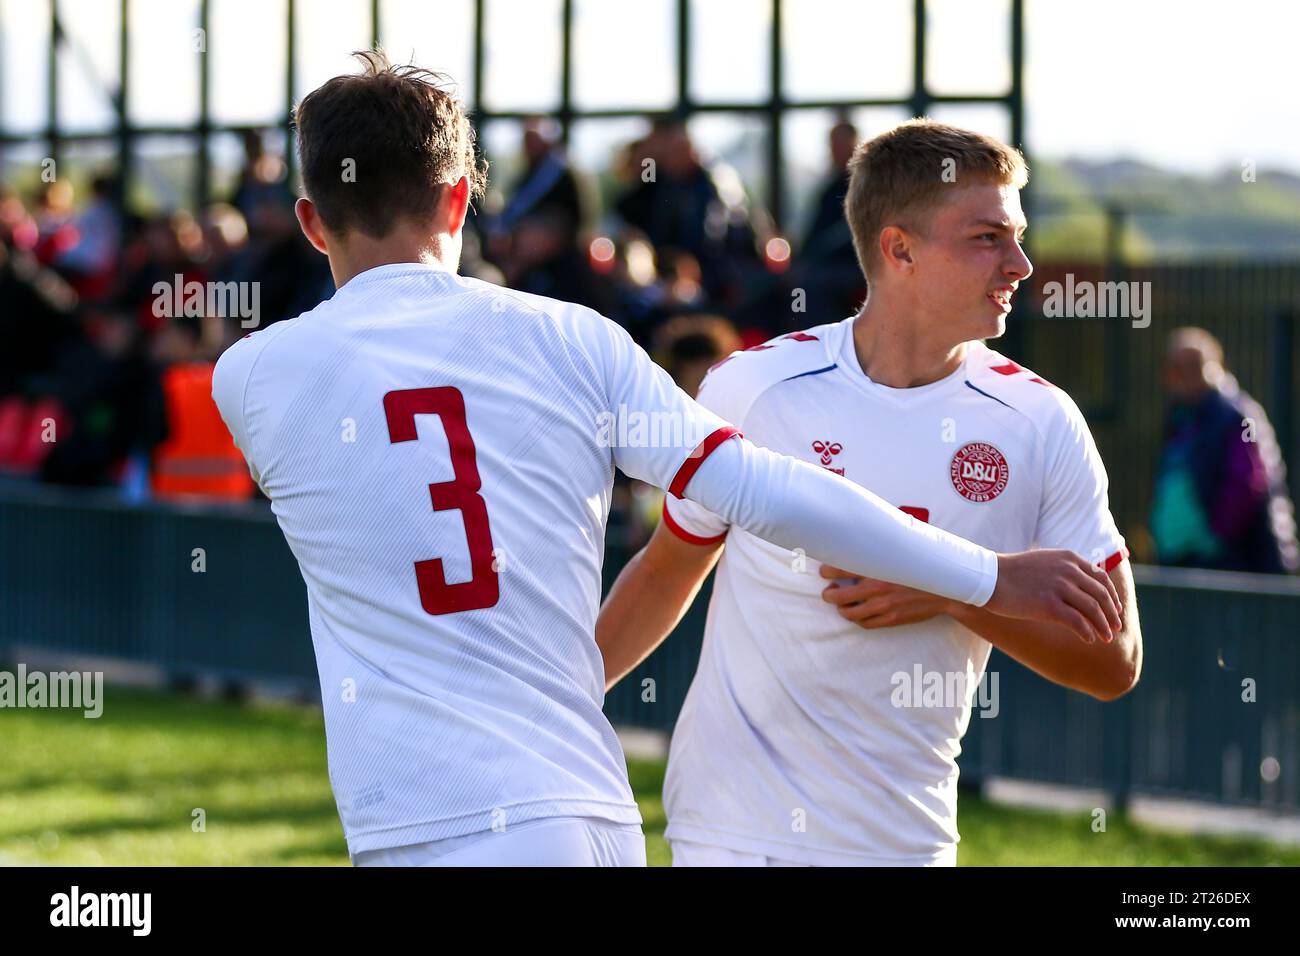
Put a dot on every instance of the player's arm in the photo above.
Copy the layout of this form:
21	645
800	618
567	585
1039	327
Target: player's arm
794	504
1105	670
649	598
1075	513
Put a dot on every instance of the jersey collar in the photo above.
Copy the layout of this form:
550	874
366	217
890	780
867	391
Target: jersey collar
851	368
396	270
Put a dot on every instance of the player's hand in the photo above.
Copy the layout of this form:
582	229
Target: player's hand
870	603
1060	587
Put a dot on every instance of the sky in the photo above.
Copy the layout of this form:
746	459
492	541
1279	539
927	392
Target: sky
1194	86
1191	85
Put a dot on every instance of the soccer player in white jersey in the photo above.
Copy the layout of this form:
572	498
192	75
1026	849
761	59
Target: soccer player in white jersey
800	741
439	455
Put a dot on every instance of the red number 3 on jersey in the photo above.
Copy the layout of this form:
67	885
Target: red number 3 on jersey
460	494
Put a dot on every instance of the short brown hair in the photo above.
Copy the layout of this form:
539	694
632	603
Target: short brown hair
900	176
405	134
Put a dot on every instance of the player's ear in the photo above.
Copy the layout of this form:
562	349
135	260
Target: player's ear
896	248
310	223
455	206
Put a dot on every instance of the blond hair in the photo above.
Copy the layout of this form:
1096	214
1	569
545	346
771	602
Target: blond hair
899	177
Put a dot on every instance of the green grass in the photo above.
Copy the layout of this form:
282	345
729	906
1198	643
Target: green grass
123	790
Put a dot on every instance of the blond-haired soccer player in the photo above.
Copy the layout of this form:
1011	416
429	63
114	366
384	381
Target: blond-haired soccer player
798	742
439	454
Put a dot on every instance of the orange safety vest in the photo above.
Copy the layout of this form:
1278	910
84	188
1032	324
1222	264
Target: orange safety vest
199	457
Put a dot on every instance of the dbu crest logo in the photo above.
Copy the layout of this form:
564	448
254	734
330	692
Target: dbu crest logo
979	471
827	450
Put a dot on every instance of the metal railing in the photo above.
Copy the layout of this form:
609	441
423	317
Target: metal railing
1216	715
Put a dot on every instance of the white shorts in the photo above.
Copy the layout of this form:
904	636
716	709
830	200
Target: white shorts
700	854
550	841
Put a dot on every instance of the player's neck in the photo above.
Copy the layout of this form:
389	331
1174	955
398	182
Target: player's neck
898	351
361	253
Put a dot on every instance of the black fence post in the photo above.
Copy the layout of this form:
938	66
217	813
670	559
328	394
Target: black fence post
1119	752
1284	396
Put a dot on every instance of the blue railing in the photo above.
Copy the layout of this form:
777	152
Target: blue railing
214	591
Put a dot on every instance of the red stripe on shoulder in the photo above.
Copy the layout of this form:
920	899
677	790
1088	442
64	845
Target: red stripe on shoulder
1111	563
692	464
793	336
1011	368
685	535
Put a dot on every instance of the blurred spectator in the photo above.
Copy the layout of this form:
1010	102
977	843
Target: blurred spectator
543	258
225	233
18	228
198	456
1220	497
687	346
648	288
548	188
291	276
110	391
828	228
679	203
37	327
53	216
37	322
156	250
262	180
91	263
828	266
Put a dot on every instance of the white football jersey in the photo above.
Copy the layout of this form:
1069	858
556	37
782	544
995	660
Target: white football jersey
805	737
438	453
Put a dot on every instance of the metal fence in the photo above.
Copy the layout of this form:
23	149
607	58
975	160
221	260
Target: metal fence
469	33
1216	715
86	575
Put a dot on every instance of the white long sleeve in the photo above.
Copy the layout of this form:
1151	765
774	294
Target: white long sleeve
797	505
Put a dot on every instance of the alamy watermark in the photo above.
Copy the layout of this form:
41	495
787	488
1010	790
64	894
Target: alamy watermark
130	910
657	429
1100	300
75	690
197	300
948	689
